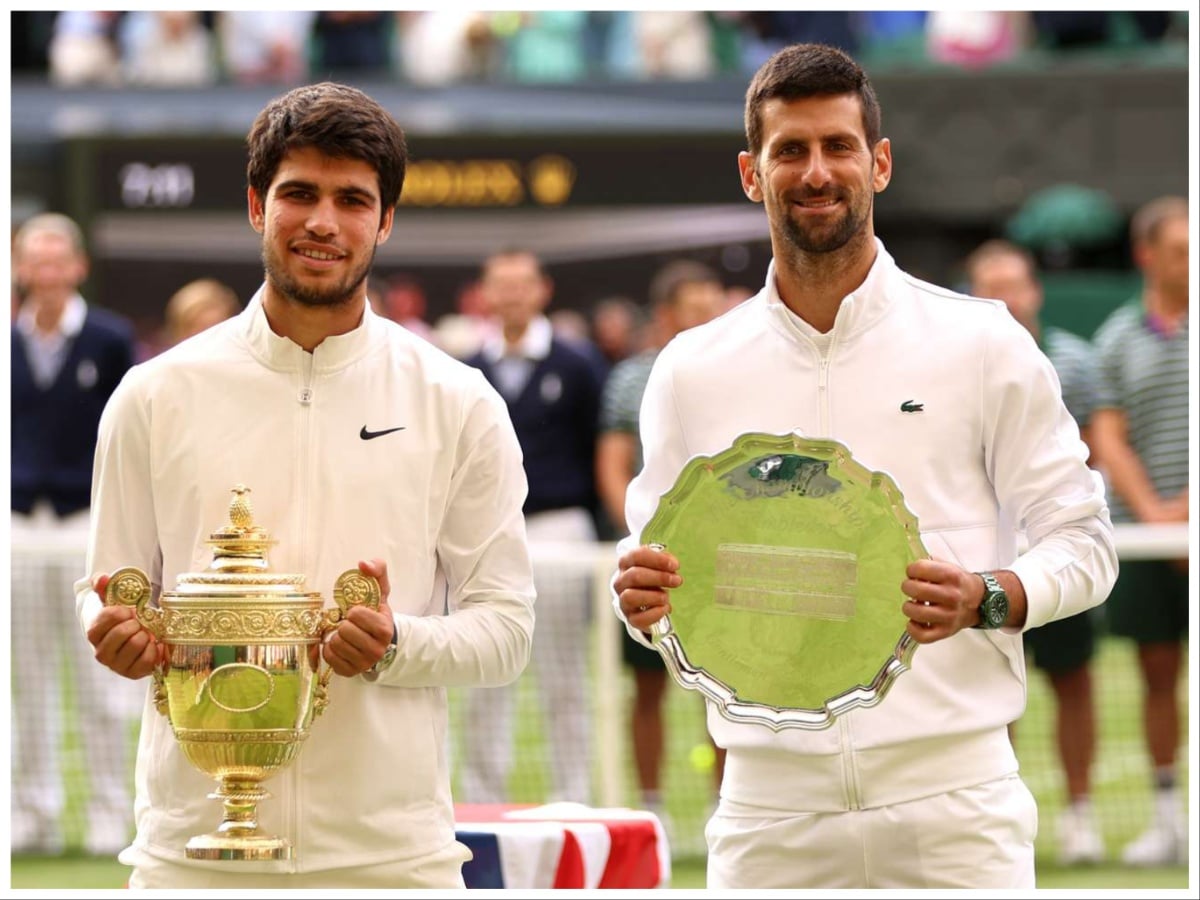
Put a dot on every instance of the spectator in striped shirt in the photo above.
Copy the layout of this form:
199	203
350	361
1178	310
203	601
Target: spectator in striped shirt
1140	430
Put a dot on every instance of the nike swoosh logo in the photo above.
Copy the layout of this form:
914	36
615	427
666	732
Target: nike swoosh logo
368	435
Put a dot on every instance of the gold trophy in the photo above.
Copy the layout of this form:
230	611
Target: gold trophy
242	678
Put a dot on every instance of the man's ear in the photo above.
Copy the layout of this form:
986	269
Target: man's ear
257	211
1140	254
385	226
749	173
883	165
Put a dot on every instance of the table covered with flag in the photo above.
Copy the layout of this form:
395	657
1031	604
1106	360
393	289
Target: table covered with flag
562	845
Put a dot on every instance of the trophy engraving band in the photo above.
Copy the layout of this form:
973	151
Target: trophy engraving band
253	626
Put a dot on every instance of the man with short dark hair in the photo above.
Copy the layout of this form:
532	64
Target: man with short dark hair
951	397
361	442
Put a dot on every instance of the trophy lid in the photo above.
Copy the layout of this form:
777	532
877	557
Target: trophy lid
240	537
240	555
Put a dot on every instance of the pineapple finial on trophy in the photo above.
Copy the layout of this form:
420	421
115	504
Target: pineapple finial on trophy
240	544
241	513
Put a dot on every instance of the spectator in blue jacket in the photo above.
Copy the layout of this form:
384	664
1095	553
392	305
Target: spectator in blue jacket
553	394
67	358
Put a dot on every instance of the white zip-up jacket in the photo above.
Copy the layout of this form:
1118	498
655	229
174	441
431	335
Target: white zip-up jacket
992	452
438	498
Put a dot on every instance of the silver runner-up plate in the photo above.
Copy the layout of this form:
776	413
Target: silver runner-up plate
792	554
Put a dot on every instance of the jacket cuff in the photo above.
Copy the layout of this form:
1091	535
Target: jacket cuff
1041	592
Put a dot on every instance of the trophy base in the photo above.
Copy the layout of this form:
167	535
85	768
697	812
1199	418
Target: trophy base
248	846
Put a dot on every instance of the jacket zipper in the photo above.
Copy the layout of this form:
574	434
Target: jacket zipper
850	783
823	385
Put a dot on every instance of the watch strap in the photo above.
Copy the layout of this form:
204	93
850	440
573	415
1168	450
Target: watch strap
389	654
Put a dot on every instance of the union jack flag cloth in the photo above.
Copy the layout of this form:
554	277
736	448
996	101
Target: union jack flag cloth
562	845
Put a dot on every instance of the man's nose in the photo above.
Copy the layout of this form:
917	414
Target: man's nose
322	219
817	172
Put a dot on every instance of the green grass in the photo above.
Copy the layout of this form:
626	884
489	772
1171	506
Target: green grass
687	873
67	872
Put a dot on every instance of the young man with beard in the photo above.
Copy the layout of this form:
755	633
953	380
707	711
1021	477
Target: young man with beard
950	396
360	441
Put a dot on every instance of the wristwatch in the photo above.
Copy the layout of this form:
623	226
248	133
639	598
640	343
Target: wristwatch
993	609
389	655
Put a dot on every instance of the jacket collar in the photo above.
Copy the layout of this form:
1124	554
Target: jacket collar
534	344
860	309
70	323
277	352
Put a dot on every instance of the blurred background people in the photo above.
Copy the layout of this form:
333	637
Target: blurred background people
976	38
552	391
401	298
265	47
1062	649
432	47
444	46
571	326
618	326
83	49
543	46
683	294
1140	431
356	43
67	358
674	44
462	332
167	48
198	305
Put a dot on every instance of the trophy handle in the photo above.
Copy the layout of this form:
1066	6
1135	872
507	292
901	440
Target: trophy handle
329	620
353	588
129	586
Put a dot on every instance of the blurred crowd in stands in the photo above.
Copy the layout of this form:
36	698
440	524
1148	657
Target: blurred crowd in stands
177	48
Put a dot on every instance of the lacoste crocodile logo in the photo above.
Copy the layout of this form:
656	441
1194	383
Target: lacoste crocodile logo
368	435
912	406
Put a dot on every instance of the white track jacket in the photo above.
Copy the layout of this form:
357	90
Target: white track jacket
992	452
438	497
